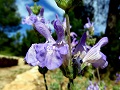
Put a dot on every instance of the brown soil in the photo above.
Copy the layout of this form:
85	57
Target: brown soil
8	74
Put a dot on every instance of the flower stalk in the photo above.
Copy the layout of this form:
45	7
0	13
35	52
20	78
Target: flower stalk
45	81
68	37
71	84
98	74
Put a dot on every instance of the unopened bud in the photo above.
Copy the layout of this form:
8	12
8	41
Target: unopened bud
35	9
64	4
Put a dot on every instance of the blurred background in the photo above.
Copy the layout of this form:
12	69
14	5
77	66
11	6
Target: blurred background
15	38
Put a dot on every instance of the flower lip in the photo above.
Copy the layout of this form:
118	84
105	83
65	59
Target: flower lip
94	55
47	55
30	57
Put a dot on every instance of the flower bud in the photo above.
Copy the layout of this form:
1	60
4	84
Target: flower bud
35	9
64	4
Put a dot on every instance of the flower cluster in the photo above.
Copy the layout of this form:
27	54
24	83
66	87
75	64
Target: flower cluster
93	86
118	77
53	53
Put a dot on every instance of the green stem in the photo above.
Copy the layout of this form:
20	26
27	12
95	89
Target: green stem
45	82
98	74
93	75
71	84
68	36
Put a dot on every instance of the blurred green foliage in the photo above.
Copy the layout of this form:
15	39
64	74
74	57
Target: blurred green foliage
9	18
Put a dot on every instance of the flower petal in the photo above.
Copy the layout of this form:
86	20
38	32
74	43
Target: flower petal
73	34
81	45
30	57
41	54
74	42
42	29
102	63
88	25
29	10
30	20
59	29
41	11
63	49
53	60
94	53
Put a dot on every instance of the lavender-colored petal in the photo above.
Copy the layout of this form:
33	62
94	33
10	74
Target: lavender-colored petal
41	54
93	86
30	20
96	87
102	42
73	34
29	9
41	11
117	78
74	42
33	18
81	45
64	24
43	29
102	63
93	54
49	55
88	25
30	57
53	59
42	20
63	49
59	29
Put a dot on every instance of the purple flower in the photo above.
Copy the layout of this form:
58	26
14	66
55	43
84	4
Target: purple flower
93	86
74	39
89	24
90	28
31	19
50	54
73	35
118	78
92	54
